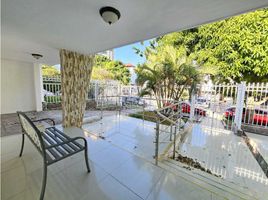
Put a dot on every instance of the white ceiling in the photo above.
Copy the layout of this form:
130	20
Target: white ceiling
45	26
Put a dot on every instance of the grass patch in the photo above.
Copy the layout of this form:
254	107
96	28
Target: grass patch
52	99
151	116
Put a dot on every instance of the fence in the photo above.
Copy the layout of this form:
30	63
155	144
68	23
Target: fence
97	89
255	109
52	89
231	104
234	105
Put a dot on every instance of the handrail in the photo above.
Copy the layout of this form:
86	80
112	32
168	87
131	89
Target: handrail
158	112
173	123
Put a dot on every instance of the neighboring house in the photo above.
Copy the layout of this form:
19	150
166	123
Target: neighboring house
109	54
133	75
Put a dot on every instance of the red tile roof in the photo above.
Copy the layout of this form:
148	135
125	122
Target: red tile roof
129	65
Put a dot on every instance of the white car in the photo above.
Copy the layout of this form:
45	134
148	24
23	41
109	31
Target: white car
202	102
47	93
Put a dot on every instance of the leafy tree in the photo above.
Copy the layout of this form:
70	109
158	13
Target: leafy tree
50	71
166	74
99	73
106	69
119	71
238	46
232	49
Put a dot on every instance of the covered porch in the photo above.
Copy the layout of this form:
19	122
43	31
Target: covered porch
121	150
121	157
116	173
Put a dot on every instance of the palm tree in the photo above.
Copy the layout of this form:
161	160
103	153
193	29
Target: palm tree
166	74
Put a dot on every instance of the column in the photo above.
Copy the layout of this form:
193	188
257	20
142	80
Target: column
75	78
38	85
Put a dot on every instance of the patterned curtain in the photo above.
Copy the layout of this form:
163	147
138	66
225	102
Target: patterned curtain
75	77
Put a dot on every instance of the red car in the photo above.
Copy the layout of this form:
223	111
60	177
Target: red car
172	105
258	116
230	113
186	108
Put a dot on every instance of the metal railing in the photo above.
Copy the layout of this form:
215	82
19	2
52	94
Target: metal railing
168	120
52	89
255	109
235	105
172	115
219	102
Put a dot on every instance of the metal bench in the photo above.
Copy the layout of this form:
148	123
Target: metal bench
51	143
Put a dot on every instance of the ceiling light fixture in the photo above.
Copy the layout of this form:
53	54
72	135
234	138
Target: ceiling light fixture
110	14
37	56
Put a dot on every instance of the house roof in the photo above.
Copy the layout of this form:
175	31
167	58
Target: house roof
129	65
44	27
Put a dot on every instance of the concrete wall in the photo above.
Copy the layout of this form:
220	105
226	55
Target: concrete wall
17	86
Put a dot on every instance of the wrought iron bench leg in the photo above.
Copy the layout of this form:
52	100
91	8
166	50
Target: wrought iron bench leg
44	183
22	145
86	157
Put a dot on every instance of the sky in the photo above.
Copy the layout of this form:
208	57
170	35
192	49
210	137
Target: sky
126	54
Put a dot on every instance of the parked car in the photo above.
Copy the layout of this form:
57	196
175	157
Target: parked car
230	112
257	116
186	108
172	105
132	100
203	102
260	116
47	93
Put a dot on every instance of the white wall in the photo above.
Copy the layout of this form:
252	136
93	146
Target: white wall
133	75
17	86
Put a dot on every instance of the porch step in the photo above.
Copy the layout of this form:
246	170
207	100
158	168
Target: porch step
215	185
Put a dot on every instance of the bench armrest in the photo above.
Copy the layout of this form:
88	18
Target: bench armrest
71	140
45	119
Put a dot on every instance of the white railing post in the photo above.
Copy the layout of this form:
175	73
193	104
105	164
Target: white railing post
157	133
239	106
96	92
192	107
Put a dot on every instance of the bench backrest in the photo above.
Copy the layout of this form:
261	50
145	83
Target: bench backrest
31	131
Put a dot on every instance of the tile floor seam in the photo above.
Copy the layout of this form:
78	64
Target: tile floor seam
100	181
155	184
12	196
110	172
121	148
198	185
126	186
102	149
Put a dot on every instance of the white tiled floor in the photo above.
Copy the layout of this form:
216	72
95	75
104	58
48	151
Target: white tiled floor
169	187
116	174
131	134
